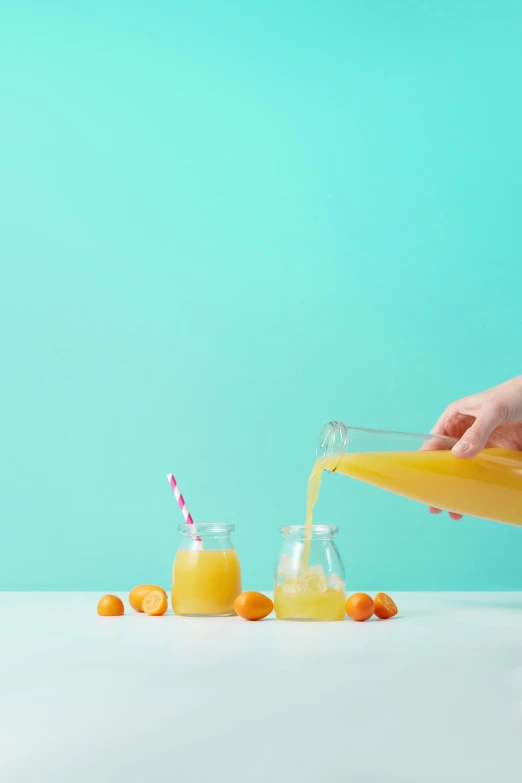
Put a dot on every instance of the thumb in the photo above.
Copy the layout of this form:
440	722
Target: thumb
477	436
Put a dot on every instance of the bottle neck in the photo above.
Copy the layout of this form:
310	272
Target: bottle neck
332	441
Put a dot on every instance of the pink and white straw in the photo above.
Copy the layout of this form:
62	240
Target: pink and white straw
183	506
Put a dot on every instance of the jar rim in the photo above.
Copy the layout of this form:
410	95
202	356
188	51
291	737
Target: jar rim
206	529
318	531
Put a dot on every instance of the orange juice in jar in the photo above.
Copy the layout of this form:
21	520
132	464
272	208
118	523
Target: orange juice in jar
206	575
309	579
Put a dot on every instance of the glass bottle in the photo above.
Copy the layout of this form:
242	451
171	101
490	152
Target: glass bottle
422	467
310	577
206	574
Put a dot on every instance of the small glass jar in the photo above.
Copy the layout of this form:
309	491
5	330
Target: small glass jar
310	577
206	575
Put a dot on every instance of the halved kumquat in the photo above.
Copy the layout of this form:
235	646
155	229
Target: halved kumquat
137	594
155	603
110	606
384	606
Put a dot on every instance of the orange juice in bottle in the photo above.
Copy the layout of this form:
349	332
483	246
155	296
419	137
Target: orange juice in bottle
422	467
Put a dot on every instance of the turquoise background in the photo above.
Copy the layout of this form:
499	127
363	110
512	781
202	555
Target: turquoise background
223	224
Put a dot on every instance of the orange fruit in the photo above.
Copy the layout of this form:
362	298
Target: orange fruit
137	594
110	606
253	606
384	606
359	607
155	602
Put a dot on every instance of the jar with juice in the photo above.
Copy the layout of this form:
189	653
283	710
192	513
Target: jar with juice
206	575
309	579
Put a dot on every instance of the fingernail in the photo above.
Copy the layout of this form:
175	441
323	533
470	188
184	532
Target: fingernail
462	447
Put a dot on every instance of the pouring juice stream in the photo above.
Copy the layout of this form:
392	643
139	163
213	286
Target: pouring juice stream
305	593
420	467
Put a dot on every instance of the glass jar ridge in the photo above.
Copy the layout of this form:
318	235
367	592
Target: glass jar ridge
298	532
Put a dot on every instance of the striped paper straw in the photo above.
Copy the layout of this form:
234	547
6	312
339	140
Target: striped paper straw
183	506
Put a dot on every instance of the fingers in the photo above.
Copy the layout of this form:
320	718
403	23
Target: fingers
440	426
451	425
452	514
437	443
476	436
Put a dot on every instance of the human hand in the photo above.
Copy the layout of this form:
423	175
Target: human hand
489	418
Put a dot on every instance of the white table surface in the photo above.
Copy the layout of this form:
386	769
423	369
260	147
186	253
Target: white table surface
433	695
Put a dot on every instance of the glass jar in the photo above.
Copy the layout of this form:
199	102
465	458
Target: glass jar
206	575
310	577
